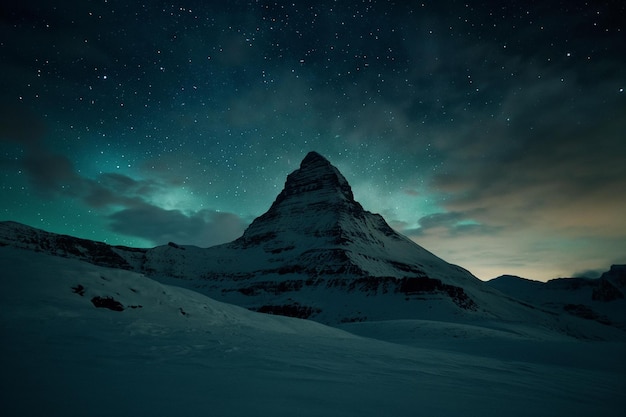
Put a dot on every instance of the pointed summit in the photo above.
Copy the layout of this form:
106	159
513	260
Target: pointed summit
321	181
316	236
316	225
313	158
314	200
314	162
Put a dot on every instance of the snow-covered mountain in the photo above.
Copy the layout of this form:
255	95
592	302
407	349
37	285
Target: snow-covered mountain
98	253
85	340
93	329
600	299
316	253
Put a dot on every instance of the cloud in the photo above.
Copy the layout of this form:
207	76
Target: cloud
201	228
54	175
113	189
51	173
446	225
538	187
132	214
128	201
532	186
557	165
589	273
440	220
125	201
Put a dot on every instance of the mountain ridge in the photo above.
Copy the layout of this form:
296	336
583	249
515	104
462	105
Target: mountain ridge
598	299
316	253
28	239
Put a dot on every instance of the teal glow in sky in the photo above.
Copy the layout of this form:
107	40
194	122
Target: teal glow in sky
491	134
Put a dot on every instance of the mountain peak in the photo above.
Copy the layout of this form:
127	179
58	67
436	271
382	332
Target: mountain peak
313	158
317	181
312	201
318	178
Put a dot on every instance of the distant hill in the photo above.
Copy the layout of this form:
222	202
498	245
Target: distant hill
598	299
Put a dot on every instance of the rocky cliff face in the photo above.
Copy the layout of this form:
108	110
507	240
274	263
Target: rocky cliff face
316	203
315	225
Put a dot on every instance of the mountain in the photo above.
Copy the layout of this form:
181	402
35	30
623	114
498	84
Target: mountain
598	299
93	329
318	254
316	243
86	340
98	253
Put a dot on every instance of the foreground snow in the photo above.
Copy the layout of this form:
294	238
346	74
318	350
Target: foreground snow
176	352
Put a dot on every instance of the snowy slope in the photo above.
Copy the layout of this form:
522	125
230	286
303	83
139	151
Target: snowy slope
602	299
21	236
171	351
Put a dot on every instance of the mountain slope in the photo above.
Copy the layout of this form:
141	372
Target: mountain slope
600	299
159	350
316	243
316	253
98	253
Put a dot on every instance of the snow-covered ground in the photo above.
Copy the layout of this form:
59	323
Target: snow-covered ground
174	352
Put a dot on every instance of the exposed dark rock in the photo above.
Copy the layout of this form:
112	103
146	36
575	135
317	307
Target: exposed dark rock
585	312
353	319
412	286
289	310
250	240
79	289
570	283
288	269
272	287
412	269
605	291
616	275
279	250
371	285
107	302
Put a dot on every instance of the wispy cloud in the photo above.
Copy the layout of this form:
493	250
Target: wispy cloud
126	202
544	177
201	228
529	168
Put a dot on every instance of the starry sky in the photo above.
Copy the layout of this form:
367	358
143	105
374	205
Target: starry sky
491	133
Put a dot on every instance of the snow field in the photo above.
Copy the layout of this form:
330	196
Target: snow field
184	354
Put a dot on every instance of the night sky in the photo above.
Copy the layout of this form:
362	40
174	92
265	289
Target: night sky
492	133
